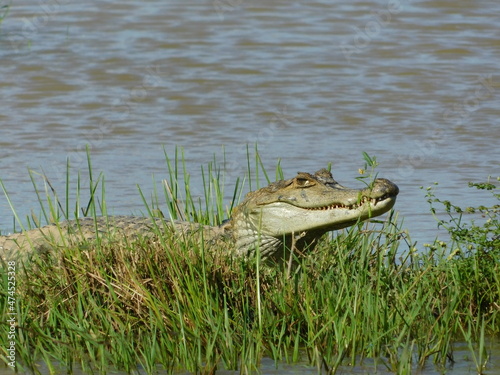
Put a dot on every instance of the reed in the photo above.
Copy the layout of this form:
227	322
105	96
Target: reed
4	11
365	295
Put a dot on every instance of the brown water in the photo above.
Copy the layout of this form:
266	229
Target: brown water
415	83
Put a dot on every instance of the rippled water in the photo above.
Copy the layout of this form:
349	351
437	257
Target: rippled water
415	83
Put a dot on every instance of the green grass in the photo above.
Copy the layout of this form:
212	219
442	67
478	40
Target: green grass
365	294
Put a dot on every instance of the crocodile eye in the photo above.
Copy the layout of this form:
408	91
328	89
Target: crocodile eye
303	182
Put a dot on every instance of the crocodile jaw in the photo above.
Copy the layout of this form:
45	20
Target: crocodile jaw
284	221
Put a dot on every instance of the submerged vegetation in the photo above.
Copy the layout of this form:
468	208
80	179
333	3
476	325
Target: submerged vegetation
365	293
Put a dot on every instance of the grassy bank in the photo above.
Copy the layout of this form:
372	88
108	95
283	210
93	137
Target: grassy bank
364	293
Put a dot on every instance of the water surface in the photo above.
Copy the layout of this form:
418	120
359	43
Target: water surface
414	83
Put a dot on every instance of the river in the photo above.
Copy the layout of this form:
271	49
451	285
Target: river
415	84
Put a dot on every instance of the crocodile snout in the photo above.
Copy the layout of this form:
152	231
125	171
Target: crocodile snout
384	187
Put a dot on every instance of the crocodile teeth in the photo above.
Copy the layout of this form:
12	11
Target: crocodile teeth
353	206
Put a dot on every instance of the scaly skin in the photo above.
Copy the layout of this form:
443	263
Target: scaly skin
288	214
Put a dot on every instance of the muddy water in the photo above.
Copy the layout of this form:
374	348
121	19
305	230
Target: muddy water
414	83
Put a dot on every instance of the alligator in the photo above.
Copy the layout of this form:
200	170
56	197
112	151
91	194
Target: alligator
288	216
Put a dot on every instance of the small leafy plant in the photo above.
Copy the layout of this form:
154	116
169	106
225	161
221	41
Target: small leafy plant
481	233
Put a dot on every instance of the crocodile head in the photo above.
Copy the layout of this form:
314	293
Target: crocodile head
297	212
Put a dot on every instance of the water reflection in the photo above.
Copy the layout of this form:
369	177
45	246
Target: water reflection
464	365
